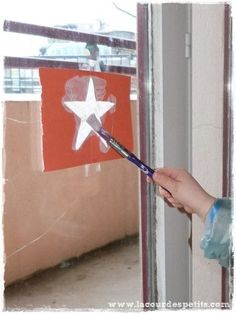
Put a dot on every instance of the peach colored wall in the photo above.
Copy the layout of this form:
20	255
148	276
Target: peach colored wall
50	217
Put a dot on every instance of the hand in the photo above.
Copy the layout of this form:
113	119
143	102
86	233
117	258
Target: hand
184	191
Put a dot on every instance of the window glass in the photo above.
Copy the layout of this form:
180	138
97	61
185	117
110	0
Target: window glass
71	235
102	18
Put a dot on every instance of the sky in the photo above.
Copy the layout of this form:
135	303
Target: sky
51	13
46	12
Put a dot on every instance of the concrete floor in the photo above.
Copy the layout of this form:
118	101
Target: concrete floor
111	274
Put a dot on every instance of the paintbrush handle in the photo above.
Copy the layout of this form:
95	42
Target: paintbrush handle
123	151
145	169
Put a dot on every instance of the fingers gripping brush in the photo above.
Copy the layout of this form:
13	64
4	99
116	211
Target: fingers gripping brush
96	126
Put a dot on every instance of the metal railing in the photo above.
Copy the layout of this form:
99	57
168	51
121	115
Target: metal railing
18	81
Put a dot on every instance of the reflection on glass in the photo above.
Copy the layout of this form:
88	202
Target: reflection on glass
71	236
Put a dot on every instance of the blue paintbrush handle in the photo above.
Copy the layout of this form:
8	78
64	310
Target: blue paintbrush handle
145	169
126	153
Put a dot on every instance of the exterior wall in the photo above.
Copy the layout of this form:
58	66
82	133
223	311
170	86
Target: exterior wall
207	132
54	216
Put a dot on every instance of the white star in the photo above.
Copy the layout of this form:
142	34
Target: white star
83	109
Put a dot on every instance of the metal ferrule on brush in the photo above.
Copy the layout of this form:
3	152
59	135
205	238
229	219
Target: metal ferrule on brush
113	143
118	147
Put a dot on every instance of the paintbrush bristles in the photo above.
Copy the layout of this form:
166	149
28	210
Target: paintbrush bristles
94	122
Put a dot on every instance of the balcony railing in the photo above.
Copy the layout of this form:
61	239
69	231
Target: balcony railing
21	73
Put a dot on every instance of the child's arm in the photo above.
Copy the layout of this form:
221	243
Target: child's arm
186	192
217	241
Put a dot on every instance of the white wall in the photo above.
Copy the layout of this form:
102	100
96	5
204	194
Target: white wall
207	132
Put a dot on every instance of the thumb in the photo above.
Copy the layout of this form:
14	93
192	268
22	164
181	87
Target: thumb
165	181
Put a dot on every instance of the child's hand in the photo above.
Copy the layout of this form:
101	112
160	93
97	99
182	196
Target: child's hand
184	191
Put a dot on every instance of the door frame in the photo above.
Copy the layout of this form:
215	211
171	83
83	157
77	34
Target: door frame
164	76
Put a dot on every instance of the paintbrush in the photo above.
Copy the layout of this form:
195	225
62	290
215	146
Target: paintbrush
120	149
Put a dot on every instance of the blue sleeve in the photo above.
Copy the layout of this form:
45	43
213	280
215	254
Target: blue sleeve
217	240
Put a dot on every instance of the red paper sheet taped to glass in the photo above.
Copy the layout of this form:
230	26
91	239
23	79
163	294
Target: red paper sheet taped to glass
68	98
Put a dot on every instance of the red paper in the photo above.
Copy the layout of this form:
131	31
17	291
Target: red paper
61	125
